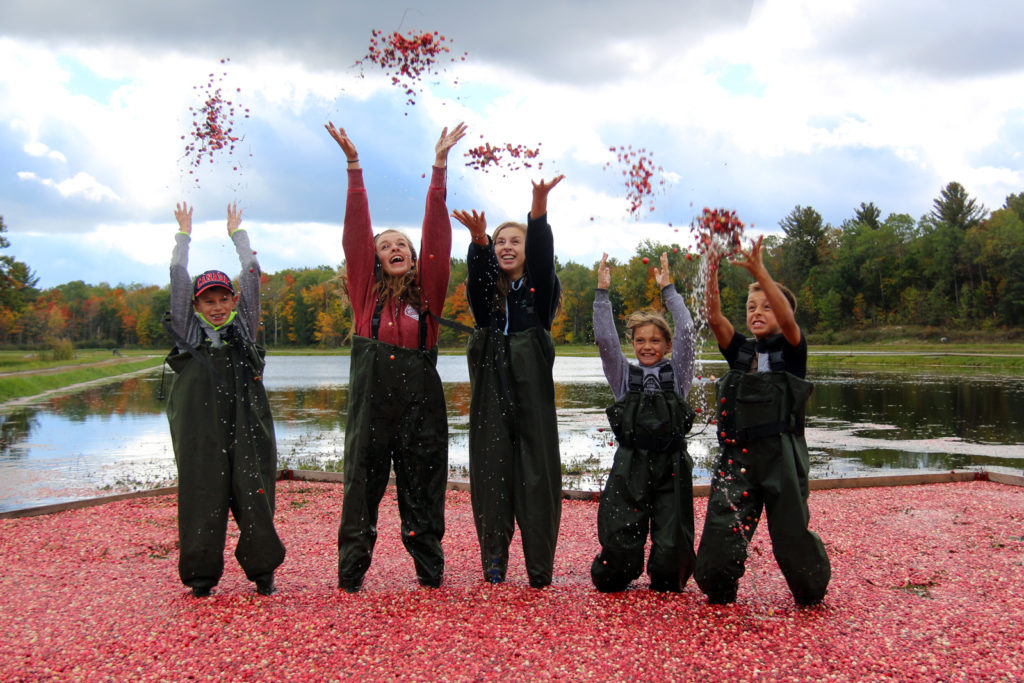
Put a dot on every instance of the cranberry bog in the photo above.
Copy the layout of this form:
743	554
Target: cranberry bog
927	584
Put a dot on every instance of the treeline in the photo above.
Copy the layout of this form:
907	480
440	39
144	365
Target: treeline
958	267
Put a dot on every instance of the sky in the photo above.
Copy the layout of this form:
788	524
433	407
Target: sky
758	106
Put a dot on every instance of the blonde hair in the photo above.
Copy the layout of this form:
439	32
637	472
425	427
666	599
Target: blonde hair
641	318
790	297
405	287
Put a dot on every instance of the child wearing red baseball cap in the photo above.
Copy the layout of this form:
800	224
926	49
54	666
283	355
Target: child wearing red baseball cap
221	427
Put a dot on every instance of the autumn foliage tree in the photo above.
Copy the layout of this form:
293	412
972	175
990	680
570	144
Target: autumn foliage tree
958	267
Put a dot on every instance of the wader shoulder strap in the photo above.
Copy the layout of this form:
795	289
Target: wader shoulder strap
423	329
636	378
375	320
775	359
193	351
666	378
746	358
451	324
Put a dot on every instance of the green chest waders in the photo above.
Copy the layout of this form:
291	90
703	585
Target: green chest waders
396	416
224	447
763	464
650	486
514	466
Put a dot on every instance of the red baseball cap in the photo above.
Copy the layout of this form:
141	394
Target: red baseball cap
211	278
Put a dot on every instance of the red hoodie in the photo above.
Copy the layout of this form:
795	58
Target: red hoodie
432	265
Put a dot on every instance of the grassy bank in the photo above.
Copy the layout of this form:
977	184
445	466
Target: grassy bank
25	361
57	375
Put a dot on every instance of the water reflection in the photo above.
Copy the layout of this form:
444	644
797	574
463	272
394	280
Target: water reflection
116	436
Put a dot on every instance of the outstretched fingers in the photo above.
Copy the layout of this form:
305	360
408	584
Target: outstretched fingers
183	214
449	139
663	275
546	186
343	140
234	217
476	222
604	273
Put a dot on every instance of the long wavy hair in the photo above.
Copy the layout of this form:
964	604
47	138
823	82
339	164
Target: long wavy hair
405	287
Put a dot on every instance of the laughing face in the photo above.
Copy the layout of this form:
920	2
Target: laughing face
215	304
650	344
394	253
510	249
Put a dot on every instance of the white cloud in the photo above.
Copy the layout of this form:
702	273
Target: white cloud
38	149
80	185
790	106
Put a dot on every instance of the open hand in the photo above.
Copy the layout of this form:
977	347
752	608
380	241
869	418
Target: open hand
234	217
545	186
446	142
604	273
540	196
183	214
753	259
662	275
477	224
341	137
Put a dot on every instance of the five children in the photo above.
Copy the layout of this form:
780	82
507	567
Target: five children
223	434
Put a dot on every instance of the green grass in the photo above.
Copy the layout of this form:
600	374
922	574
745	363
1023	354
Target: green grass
17	361
18	386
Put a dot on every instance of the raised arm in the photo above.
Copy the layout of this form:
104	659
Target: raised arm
357	235
684	344
540	196
181	283
719	324
753	261
434	265
481	264
540	253
249	277
613	361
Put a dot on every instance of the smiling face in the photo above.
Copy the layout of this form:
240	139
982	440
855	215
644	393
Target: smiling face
394	251
215	305
510	249
650	344
760	316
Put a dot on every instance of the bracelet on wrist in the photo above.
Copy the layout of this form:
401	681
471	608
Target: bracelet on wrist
353	161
